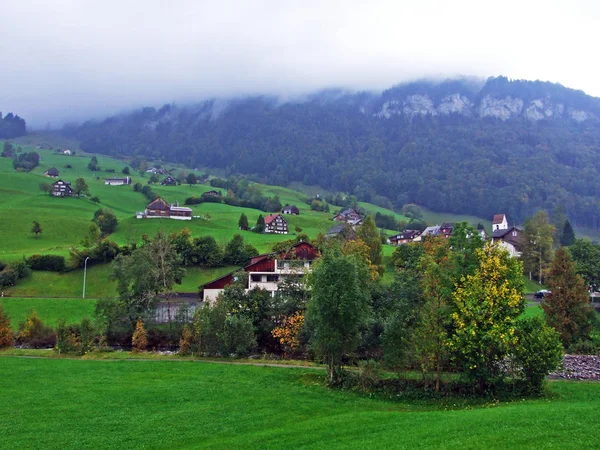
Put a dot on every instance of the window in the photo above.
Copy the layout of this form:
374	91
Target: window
514	233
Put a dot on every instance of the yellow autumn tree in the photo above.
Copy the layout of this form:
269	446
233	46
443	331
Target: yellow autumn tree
358	247
288	333
139	340
6	338
486	307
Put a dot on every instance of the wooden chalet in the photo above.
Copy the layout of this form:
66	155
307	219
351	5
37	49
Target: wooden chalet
275	223
212	193
267	271
117	181
508	237
404	237
161	209
169	181
290	209
52	172
350	216
446	229
62	188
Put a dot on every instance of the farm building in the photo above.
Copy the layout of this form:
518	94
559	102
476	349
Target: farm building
160	209
404	237
212	193
508	237
169	181
117	181
350	216
268	270
290	209
52	172
275	223
62	188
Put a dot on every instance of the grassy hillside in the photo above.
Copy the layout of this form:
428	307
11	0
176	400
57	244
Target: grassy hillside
78	404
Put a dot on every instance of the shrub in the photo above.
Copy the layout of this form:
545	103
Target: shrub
21	268
238	336
368	374
8	277
185	343
139	340
87	335
34	334
538	352
51	263
137	187
66	339
6	337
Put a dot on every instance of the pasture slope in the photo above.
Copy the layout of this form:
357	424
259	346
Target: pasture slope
78	404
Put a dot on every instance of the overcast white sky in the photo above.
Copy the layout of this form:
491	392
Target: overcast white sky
75	59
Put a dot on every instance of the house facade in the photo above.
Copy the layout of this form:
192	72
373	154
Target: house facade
169	181
499	222
117	181
290	209
268	271
350	216
62	188
159	209
275	223
405	237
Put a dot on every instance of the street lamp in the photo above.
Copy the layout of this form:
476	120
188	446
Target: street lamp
84	273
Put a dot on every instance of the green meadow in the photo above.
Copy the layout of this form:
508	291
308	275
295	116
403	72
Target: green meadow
79	404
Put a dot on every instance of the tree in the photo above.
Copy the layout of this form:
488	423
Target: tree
46	188
93	164
586	256
568	235
154	178
81	187
370	236
537	245
358	248
237	253
338	308
431	335
36	228
559	219
6	337
92	237
191	179
7	150
412	211
126	170
260	224
486	308
139	340
143	166
106	221
567	306
243	222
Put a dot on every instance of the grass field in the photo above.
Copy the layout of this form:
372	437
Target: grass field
49	310
77	404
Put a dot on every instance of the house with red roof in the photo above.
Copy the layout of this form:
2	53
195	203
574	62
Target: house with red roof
275	223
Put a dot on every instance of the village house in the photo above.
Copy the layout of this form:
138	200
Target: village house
267	271
212	193
62	188
275	223
67	152
159	209
404	237
508	237
429	231
343	230
290	209
169	181
117	181
154	170
52	172
446	229
350	216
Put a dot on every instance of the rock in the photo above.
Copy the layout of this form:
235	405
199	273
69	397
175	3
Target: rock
579	367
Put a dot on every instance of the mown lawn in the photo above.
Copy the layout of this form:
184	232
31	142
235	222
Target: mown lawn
49	310
77	404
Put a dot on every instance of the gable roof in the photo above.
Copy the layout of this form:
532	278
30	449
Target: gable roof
53	171
158	204
68	183
497	234
498	219
271	218
290	208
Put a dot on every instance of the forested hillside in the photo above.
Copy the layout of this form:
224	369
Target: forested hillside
12	126
459	146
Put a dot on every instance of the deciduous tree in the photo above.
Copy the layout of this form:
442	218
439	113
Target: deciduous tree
36	228
537	246
6	337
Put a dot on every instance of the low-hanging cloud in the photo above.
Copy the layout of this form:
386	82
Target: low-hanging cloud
76	59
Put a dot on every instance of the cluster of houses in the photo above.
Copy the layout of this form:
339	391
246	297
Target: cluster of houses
508	237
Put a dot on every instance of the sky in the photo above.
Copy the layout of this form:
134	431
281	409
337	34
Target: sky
71	60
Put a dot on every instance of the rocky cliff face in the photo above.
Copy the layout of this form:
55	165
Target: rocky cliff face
499	99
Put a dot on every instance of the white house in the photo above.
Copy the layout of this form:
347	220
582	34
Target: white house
117	181
500	222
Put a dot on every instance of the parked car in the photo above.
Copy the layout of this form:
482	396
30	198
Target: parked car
542	293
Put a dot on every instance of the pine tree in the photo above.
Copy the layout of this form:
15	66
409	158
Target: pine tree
243	222
260	224
139	340
567	307
568	235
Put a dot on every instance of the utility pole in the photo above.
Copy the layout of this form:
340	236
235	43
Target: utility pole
84	274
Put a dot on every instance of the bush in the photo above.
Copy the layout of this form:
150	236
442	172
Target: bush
51	263
34	334
137	187
186	341
66	339
6	337
139	340
538	352
368	374
21	268
238	336
8	277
